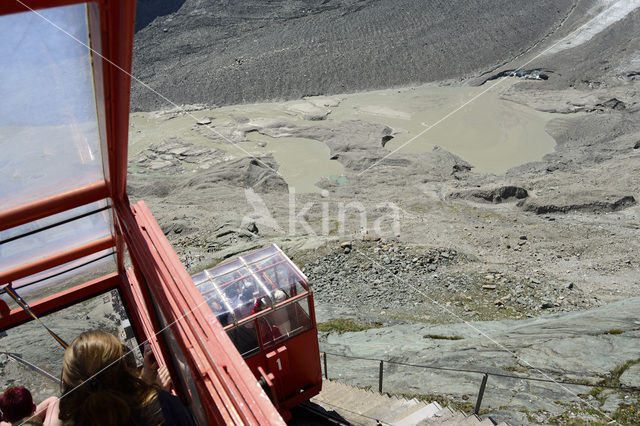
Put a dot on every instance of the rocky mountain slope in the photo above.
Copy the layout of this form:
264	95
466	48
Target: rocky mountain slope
239	51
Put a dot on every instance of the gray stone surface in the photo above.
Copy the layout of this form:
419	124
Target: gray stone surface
580	250
567	346
631	377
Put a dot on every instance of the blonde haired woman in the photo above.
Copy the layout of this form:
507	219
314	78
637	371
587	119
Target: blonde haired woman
100	389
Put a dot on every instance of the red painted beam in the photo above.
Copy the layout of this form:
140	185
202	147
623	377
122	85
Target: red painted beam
61	300
56	260
216	402
15	6
52	204
227	388
148	326
117	49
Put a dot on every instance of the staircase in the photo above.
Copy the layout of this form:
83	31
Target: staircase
367	408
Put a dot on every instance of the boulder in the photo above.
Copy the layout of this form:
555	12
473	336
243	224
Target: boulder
593	201
493	195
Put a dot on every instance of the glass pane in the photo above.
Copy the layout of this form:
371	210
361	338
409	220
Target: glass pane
184	379
103	312
36	240
48	126
245	339
284	322
248	284
279	273
54	280
227	292
274	327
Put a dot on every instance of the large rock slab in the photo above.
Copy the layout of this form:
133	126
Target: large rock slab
592	201
570	346
631	377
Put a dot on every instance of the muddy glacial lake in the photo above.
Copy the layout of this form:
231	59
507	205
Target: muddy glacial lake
475	123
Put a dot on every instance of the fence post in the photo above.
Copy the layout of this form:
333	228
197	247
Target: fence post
326	374
380	376
481	394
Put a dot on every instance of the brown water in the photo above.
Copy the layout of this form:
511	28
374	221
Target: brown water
490	133
303	162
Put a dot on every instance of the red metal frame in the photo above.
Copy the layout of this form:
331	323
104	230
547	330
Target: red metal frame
228	389
225	385
117	25
56	259
146	322
304	354
57	203
61	300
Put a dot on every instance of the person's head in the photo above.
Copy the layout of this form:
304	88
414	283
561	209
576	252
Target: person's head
247	295
98	386
16	403
215	304
261	304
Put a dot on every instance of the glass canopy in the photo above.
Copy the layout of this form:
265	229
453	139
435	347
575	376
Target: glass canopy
63	231
50	143
48	123
256	281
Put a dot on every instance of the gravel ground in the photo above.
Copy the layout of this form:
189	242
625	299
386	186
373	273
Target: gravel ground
384	281
543	258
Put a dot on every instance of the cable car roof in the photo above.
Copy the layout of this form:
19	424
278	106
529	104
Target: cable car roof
268	274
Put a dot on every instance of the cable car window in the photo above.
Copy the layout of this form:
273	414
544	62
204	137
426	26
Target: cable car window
241	287
49	132
245	339
284	322
233	296
280	275
64	231
185	378
54	280
39	370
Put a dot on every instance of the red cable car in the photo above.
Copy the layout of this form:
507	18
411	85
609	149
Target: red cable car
265	305
68	231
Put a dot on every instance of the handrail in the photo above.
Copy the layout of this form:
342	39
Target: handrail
512	376
485	376
42	372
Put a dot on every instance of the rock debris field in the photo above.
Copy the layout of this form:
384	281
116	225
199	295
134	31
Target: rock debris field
385	279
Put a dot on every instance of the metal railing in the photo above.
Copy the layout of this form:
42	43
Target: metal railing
21	360
485	376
